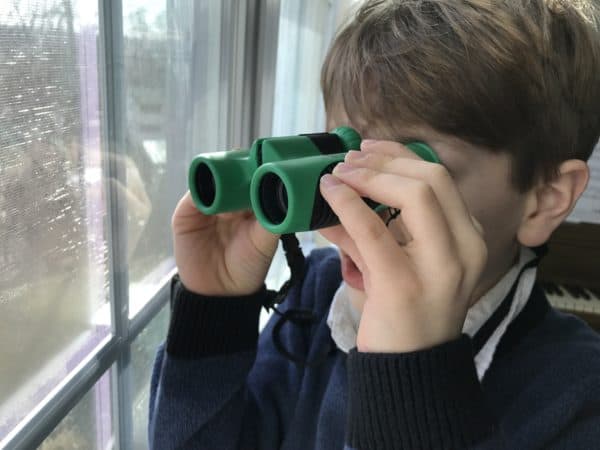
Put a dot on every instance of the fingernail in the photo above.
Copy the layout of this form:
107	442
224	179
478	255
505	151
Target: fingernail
368	142
343	168
328	181
354	155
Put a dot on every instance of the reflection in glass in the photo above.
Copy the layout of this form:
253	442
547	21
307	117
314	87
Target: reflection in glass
53	271
89	425
145	65
174	109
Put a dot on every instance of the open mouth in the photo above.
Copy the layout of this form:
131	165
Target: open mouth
351	273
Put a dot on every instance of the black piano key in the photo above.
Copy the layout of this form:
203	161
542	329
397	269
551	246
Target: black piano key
545	287
551	288
570	291
557	290
573	290
584	294
595	291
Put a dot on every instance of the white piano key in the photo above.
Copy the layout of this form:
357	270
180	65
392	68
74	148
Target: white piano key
567	302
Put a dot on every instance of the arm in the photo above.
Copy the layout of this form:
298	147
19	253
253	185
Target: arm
200	390
432	399
424	399
412	381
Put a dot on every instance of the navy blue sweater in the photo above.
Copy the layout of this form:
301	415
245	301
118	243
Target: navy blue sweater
218	385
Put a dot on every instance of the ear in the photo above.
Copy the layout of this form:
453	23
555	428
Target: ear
550	202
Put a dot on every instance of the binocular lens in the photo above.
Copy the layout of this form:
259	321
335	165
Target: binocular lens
205	184
273	198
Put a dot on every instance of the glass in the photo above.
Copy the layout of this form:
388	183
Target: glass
53	252
89	424
143	352
587	209
305	31
173	110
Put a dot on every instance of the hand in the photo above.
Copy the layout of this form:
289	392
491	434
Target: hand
418	289
133	196
223	254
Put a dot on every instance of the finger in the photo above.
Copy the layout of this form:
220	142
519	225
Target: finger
389	148
396	226
263	240
188	218
185	206
435	175
421	211
363	225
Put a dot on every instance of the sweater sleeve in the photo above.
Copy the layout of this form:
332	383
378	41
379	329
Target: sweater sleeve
200	396
426	399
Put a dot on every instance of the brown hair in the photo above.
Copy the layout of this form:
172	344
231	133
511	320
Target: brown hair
518	76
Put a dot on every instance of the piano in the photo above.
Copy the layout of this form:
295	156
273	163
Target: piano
570	272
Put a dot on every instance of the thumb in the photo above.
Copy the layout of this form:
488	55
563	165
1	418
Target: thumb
264	241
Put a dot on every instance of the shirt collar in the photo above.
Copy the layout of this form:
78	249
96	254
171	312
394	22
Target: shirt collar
343	318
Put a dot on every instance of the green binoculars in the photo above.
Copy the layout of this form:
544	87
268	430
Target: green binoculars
278	178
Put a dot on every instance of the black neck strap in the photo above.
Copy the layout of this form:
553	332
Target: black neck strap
295	260
486	330
296	316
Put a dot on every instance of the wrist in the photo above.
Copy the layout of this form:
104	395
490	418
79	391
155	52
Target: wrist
403	332
420	388
207	326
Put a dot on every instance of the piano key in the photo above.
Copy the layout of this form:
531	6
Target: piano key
552	288
572	290
571	298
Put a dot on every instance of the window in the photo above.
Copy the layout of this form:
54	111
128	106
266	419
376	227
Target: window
102	106
53	249
306	30
88	425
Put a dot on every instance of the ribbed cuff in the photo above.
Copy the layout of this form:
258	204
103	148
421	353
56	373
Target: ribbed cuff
209	326
428	399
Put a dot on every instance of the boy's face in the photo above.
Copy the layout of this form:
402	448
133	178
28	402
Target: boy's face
482	178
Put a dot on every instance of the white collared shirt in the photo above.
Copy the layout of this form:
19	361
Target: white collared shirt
344	318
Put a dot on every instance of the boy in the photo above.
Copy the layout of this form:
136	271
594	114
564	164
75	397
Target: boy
434	333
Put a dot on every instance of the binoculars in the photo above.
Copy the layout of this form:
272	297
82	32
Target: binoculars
278	178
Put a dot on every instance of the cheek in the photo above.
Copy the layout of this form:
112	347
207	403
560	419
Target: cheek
498	214
490	197
498	209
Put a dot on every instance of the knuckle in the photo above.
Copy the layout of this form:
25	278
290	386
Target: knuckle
480	253
455	271
455	274
363	175
374	230
438	173
423	192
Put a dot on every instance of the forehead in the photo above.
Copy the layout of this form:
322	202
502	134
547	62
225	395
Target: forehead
460	157
395	130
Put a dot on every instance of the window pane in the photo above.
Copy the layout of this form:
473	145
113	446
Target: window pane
143	351
305	32
587	208
172	83
53	283
89	425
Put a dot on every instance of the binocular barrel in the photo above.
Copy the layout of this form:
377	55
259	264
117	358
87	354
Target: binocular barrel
278	178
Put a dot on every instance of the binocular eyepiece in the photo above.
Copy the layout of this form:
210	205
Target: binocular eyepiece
278	178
